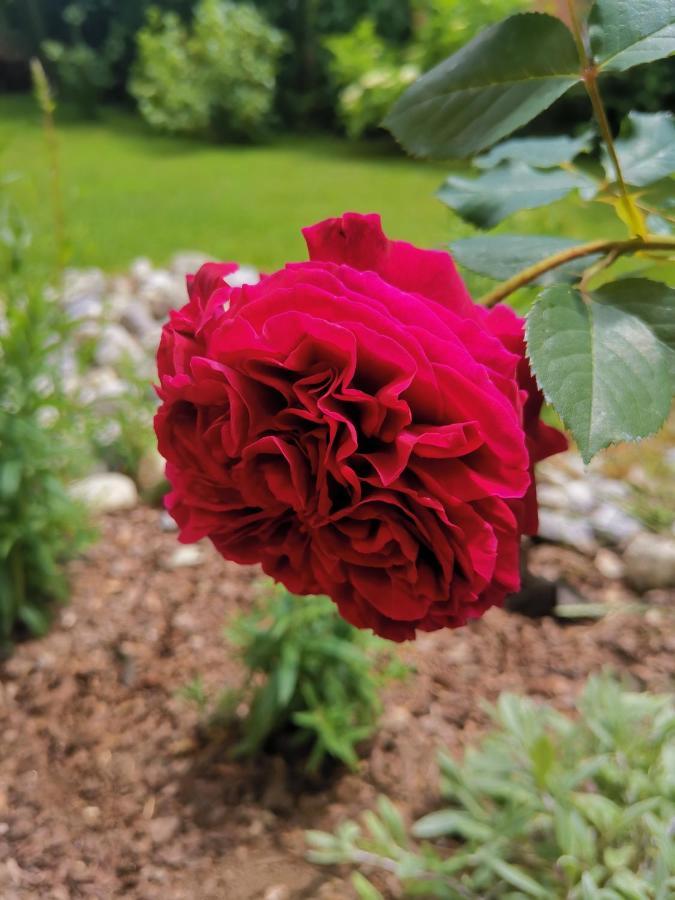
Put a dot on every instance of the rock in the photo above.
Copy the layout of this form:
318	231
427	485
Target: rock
101	384
140	270
650	561
105	492
162	292
137	320
185	557
187	262
609	565
163	829
609	490
564	529
166	522
84	308
83	283
552	496
243	275
150	475
580	497
115	345
613	525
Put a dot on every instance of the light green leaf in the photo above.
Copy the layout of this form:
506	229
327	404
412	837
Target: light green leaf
542	153
603	369
647	153
486	200
364	888
515	876
500	256
626	33
600	811
542	754
499	81
650	301
589	889
450	821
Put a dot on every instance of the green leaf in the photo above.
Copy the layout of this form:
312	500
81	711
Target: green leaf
486	200
500	80
542	754
647	153
600	811
650	301
502	255
515	876
627	33
450	821
364	888
542	153
603	369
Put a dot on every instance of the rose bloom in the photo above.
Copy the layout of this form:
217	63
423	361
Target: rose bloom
358	426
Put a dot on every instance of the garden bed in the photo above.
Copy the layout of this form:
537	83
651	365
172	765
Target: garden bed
106	791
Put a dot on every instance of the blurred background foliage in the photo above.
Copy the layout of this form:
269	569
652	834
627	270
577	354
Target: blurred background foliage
324	64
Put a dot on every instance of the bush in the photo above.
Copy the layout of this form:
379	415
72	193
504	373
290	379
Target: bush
312	682
83	73
372	73
545	807
216	76
40	525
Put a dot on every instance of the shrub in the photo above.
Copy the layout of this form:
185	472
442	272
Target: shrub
219	75
372	73
40	525
84	73
544	807
312	681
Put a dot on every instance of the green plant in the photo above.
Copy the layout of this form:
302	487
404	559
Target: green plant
84	72
40	525
312	681
546	806
602	350
219	75
372	72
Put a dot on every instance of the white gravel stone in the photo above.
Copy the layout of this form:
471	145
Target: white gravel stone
552	496
185	557
580	497
564	529
187	262
609	565
650	561
106	492
150	473
115	345
613	525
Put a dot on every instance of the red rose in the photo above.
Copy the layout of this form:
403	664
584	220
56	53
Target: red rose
354	424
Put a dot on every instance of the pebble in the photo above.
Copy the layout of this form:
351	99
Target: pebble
167	522
105	492
115	345
185	557
650	561
612	525
565	529
163	829
609	565
150	475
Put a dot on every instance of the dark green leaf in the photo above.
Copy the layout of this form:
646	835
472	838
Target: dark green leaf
503	255
626	33
499	81
542	153
603	369
647	154
650	301
486	200
34	618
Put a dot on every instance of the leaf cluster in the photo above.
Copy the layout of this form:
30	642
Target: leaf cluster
545	806
312	680
602	352
41	448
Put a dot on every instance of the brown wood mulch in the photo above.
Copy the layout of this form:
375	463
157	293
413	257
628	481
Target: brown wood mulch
105	794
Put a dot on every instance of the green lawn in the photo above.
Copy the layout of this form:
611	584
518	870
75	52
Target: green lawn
129	192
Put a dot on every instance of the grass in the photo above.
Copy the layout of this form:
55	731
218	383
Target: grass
129	192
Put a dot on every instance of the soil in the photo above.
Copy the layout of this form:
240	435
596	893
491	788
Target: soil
105	791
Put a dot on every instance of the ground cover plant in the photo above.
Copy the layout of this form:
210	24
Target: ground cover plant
544	806
318	699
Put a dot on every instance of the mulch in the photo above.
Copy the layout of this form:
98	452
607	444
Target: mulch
105	791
